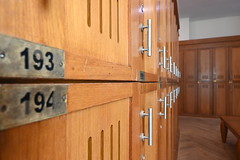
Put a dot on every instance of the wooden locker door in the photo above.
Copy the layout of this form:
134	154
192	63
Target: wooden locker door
234	97
234	64
161	43
190	65
190	98
169	122
220	100
205	99
162	135
150	100
204	65
96	126
94	35
149	62
104	132
220	64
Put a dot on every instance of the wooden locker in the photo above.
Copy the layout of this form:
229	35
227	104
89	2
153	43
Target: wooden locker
149	63
190	98
205	99
94	35
149	97
220	64
162	41
163	130
204	65
234	64
220	99
190	65
234	96
96	125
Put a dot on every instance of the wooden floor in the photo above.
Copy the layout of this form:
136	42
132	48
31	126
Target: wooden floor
200	139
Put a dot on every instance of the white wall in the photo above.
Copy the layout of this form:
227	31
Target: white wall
219	27
184	29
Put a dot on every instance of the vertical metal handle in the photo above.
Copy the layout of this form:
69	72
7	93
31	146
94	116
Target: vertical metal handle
174	68
171	98
170	64
165	107
149	41
174	95
164	52
150	126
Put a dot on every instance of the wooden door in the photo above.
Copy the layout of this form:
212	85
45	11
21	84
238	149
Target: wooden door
204	65
161	43
96	126
190	98
205	99
150	101
234	97
234	64
93	34
169	122
190	65
149	63
220	100
220	64
162	135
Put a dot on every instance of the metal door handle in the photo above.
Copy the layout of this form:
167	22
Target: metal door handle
174	97
165	107
174	68
170	64
164	52
150	126
149	41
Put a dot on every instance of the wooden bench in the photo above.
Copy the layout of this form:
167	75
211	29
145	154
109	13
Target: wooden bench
233	124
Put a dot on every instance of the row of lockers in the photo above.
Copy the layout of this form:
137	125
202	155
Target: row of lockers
95	125
211	64
112	40
71	76
211	99
210	76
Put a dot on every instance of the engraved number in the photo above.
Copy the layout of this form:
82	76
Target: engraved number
39	100
38	59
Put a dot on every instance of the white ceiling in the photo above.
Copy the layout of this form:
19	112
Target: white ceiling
207	9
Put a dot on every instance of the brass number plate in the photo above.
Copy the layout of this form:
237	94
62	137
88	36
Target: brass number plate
23	104
21	58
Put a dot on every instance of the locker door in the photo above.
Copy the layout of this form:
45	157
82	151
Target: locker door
234	63
100	132
220	101
149	39
161	41
93	34
150	102
220	64
163	130
190	65
205	99
190	98
96	126
234	99
169	122
204	65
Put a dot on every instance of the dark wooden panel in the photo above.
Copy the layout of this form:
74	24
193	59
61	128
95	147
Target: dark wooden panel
190	98
190	65
205	98
204	65
220	64
234	63
220	91
234	98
